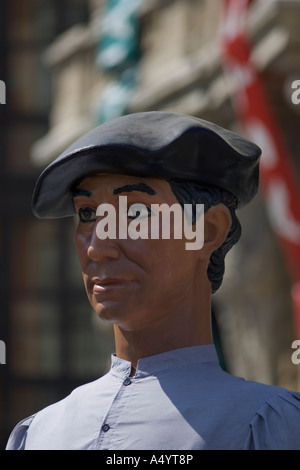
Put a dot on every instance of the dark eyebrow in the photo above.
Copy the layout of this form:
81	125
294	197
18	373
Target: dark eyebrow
144	188
81	192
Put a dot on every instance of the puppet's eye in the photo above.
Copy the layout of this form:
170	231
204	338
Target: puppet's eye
86	214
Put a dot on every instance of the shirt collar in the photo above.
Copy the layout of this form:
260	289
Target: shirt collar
153	364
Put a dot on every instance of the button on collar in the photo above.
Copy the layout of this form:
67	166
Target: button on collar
127	381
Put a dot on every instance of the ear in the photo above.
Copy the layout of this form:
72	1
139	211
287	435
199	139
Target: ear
217	223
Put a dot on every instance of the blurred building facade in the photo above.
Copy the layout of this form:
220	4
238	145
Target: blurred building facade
115	58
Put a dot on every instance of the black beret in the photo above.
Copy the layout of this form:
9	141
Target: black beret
152	144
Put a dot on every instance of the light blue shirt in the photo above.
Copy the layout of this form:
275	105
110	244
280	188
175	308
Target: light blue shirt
178	400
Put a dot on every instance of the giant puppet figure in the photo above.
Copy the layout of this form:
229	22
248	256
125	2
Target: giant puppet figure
165	388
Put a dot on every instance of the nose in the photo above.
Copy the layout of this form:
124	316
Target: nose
98	249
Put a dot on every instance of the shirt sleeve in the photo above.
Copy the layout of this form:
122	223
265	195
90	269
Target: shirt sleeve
276	426
18	436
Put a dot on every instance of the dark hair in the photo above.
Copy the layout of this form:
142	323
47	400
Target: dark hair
192	193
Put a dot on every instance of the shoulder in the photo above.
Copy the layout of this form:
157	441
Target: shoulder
275	425
266	416
17	438
50	416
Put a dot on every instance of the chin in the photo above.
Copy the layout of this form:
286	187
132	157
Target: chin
117	317
108	311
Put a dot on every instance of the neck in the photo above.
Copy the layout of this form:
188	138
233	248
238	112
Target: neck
188	327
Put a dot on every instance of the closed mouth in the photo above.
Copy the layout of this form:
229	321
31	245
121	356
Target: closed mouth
101	286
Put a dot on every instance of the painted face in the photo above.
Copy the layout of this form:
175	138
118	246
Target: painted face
129	281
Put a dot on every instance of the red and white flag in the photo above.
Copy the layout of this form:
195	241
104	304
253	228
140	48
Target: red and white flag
278	178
